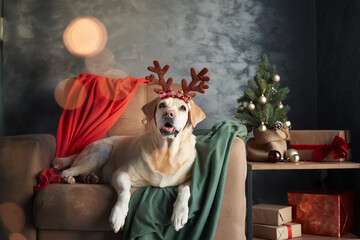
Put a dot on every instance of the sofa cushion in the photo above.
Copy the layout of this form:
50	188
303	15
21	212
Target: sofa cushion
21	160
77	235
84	207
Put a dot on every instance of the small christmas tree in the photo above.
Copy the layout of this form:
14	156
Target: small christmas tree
264	100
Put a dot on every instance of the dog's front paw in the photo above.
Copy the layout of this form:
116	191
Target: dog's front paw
117	217
67	178
180	214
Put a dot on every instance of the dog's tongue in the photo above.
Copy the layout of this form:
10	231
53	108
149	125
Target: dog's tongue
168	129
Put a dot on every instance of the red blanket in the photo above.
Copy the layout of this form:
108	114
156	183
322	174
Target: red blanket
92	107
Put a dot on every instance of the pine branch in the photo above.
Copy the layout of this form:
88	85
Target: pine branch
273	70
241	99
247	118
268	92
286	109
271	119
268	112
277	114
264	65
280	96
250	94
276	85
255	113
253	85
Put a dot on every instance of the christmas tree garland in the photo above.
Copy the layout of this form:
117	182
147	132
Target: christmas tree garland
264	98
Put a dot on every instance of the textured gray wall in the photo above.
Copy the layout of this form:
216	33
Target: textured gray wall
228	37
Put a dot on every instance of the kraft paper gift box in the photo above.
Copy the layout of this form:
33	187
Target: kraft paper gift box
271	214
323	213
286	231
321	145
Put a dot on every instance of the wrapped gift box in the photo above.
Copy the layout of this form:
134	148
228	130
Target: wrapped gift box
286	231
323	213
271	214
321	145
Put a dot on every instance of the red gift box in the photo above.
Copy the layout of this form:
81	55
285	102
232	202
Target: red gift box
323	213
321	145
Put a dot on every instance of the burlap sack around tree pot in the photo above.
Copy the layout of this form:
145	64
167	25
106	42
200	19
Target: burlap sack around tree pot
263	142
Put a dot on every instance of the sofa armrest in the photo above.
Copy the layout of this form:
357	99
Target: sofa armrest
22	158
231	223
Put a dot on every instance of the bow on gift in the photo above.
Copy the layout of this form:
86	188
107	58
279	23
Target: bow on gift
339	149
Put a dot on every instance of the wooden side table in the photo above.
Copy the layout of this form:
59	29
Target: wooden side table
288	166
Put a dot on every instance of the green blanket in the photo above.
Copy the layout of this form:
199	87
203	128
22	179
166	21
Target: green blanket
151	208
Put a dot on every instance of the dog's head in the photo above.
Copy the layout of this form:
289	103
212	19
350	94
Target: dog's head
172	115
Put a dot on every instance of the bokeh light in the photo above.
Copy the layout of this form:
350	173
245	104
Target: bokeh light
85	36
12	216
116	73
100	63
77	97
16	236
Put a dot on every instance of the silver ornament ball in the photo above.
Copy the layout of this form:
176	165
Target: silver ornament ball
262	128
280	105
287	124
276	78
292	155
262	99
295	158
250	106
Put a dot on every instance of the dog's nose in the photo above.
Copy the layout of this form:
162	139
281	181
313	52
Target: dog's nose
169	114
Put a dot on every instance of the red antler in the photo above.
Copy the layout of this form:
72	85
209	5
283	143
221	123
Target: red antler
161	81
195	79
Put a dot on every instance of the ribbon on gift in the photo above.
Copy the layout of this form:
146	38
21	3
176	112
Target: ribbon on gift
338	148
289	230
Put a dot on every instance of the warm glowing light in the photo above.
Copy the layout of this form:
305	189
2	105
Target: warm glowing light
85	36
12	216
16	236
100	63
115	73
75	99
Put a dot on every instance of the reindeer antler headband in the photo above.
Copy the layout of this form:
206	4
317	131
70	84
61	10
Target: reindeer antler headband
166	91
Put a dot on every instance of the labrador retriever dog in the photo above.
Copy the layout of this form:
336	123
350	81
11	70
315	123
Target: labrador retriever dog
161	157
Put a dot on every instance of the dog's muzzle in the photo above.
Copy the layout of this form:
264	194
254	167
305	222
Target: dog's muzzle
168	129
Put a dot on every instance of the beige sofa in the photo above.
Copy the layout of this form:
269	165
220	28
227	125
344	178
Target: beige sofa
81	211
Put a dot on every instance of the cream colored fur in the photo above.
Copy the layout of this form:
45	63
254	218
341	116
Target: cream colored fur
154	159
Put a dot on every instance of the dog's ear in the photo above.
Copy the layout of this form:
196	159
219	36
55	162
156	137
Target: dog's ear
196	114
149	109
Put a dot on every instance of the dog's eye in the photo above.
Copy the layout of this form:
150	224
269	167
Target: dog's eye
183	108
161	105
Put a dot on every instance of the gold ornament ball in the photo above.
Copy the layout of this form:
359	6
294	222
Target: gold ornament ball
241	108
276	78
250	106
281	106
262	128
262	99
292	155
287	124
